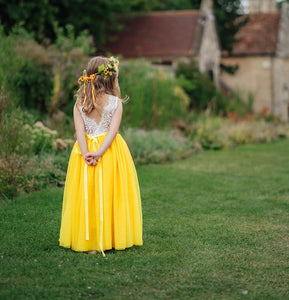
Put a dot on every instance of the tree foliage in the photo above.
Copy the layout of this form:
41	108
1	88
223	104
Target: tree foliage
229	20
279	4
43	18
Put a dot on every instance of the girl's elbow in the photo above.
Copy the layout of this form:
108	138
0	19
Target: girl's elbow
113	132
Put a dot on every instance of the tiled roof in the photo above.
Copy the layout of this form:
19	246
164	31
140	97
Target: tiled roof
259	35
157	34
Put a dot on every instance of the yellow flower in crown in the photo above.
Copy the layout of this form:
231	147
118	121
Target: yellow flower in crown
110	68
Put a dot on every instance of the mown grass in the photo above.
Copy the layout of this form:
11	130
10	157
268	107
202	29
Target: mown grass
215	227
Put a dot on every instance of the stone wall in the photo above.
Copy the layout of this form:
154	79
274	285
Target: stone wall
253	77
261	6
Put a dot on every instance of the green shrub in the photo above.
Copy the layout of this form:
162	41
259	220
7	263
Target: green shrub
72	55
217	133
25	70
11	175
12	122
20	173
41	139
157	146
20	140
155	101
249	132
198	86
20	134
203	93
34	85
43	78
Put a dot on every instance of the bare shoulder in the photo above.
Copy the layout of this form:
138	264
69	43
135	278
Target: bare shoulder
117	109
118	103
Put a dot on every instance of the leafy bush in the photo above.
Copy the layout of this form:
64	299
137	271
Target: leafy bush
249	132
41	139
22	173
157	146
206	132
11	175
19	132
155	101
72	54
204	94
198	86
12	120
21	139
43	78
25	71
217	133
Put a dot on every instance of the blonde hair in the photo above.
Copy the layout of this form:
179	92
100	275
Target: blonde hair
88	94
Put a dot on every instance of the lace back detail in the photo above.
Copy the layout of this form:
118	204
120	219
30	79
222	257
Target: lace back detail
91	127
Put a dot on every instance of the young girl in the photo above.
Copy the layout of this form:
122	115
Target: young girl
101	202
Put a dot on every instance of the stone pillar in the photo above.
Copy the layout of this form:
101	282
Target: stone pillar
285	102
206	5
209	51
281	84
283	34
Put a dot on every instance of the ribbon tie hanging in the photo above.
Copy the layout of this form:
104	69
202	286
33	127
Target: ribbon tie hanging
94	142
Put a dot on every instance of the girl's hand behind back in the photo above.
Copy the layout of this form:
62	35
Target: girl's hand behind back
91	158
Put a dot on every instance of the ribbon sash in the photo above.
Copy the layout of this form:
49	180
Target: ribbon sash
94	141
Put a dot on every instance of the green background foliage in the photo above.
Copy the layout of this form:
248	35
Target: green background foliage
155	101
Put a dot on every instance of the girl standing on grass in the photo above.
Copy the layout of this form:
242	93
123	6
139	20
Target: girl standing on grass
101	202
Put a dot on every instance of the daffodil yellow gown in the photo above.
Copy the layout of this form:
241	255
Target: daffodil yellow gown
101	204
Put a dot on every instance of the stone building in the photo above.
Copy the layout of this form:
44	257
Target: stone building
168	37
262	54
260	6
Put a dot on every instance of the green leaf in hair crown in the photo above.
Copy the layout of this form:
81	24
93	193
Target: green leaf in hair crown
110	68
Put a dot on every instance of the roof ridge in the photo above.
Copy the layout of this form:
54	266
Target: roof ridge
169	12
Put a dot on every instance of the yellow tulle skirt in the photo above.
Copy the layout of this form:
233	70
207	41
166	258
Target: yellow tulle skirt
101	204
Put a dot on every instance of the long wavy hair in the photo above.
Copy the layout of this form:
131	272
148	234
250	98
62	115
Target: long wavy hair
102	85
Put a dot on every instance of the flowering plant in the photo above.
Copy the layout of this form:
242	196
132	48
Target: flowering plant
110	68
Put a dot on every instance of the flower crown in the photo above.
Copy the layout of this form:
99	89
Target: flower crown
103	70
110	68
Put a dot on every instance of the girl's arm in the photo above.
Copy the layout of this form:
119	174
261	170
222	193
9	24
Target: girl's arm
80	131
113	130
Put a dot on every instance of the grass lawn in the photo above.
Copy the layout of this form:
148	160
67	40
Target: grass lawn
216	226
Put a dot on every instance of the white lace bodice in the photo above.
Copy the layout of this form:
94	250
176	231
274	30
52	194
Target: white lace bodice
91	127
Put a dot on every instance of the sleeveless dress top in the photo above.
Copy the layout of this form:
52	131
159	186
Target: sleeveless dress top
101	206
93	128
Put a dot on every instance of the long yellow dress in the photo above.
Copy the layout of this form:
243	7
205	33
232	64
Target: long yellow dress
101	204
